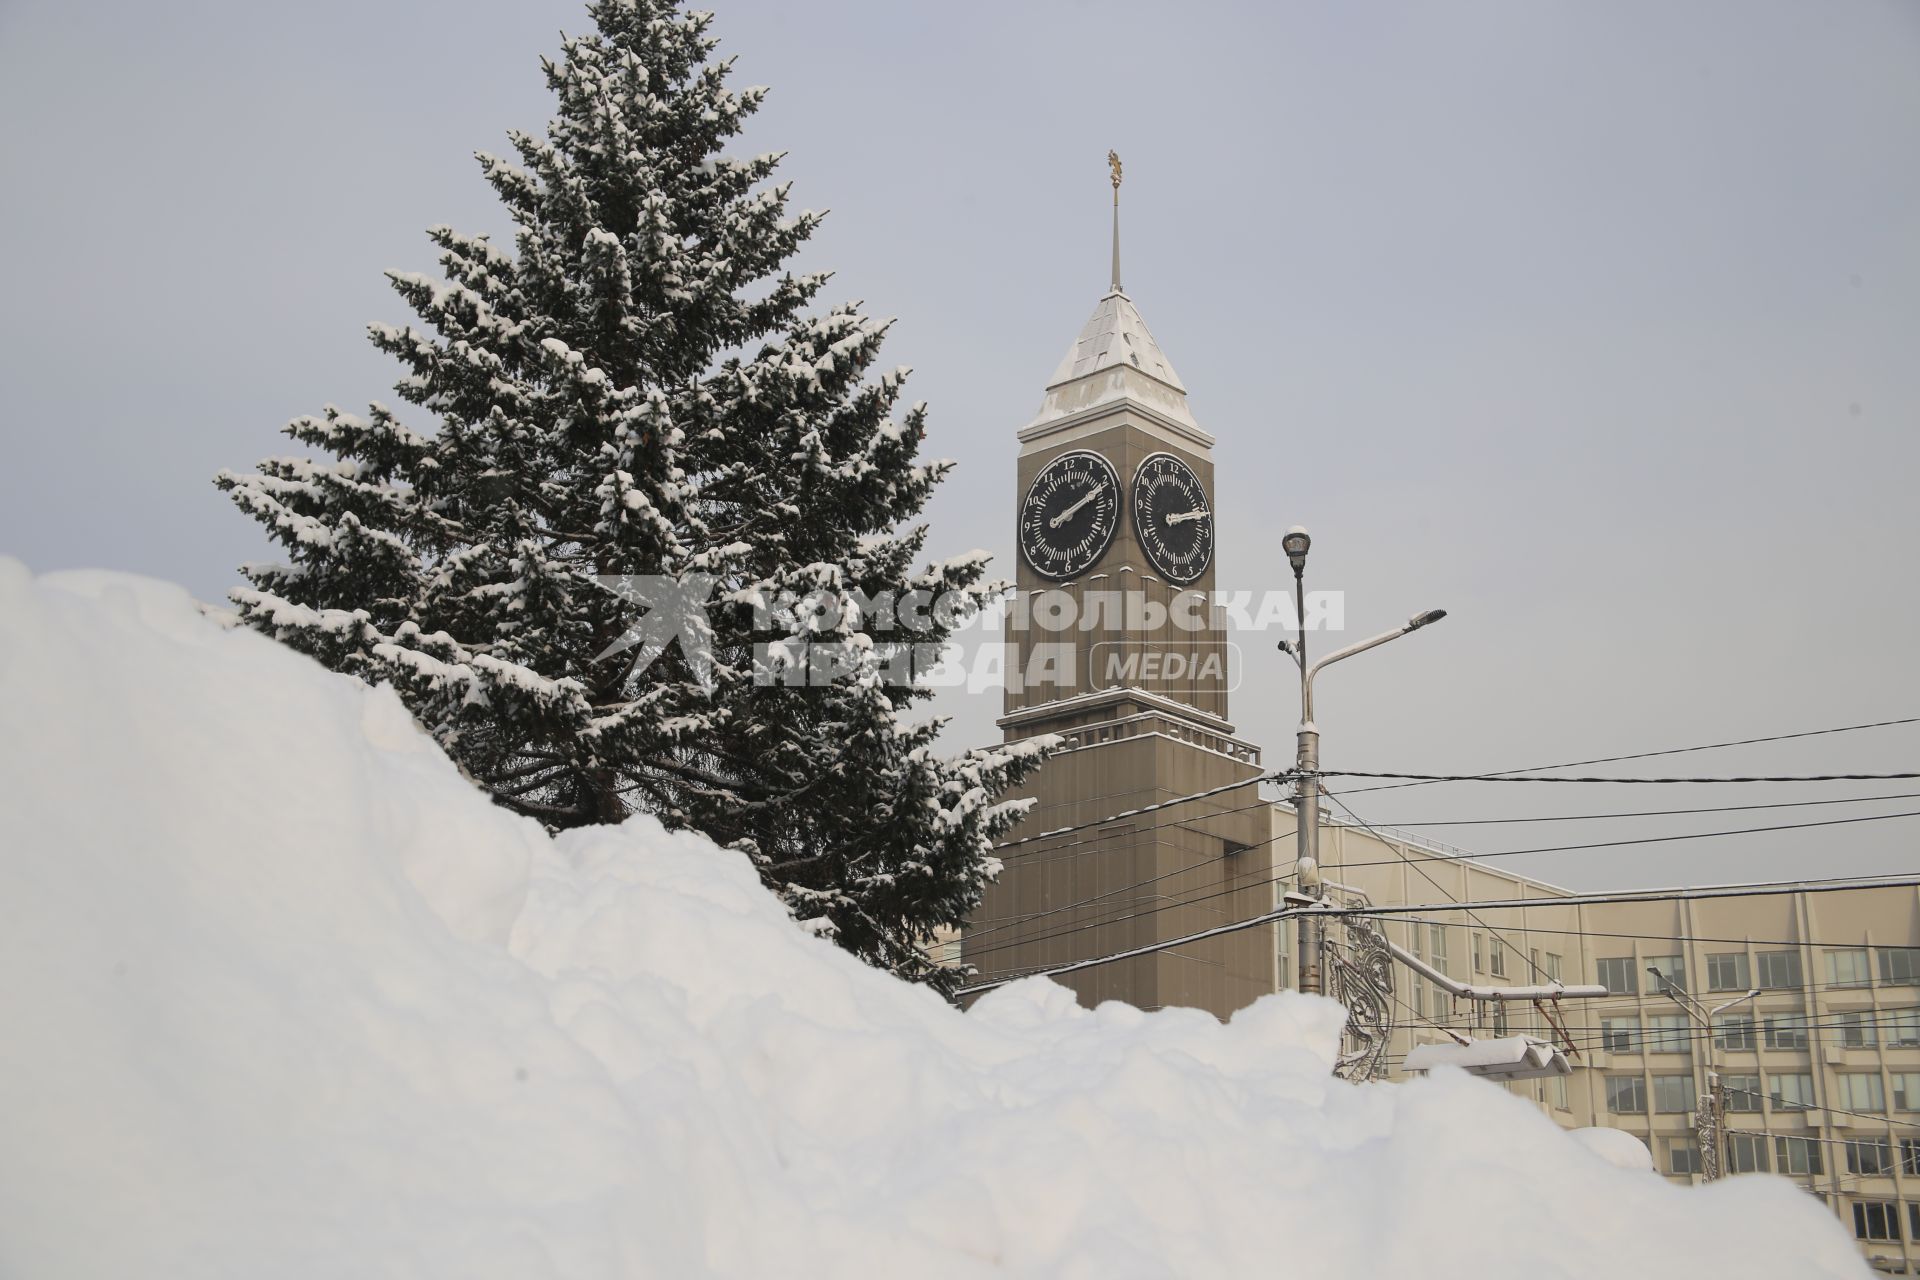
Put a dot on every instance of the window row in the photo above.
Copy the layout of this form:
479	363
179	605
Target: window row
1766	970
1861	1092
1850	1029
1879	1220
1749	1153
1672	1095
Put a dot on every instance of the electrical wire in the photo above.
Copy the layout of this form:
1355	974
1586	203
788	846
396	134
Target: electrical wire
1503	777
1670	751
1400	856
1639	840
1134	813
1099	844
1283	873
1831	885
1642	813
1404	857
1010	922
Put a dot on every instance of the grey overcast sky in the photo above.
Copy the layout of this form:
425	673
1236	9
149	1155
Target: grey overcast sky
1597	324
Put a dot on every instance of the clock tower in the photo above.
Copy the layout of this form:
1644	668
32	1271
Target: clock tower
1114	645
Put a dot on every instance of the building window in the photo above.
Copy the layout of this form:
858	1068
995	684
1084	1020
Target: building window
1617	975
1552	966
1500	1019
1626	1095
1906	1091
1860	1091
1743	1092
1682	1156
1669	1033
1856	1029
1746	1153
1479	953
1620	1035
1734	1033
1496	957
1902	1027
1797	1157
1790	1090
1437	944
1848	968
1910	1157
1900	966
1875	1220
1778	969
1558	1088
1728	972
1787	1031
1672	969
1869	1157
1673	1095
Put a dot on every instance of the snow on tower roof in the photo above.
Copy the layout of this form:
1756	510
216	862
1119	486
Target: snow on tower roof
1114	336
1115	363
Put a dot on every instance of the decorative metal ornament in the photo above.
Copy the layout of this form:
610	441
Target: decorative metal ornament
1360	976
1707	1135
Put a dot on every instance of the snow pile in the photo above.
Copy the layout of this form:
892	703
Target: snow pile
283	996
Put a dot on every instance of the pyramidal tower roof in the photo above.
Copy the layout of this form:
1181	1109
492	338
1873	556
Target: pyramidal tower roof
1115	366
1116	335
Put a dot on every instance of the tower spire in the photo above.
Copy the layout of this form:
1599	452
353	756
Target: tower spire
1113	164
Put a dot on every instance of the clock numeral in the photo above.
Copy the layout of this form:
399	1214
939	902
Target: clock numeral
1069	515
1173	517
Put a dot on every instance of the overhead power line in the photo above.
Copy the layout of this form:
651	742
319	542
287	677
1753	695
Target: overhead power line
1642	813
1428	877
1649	755
1134	813
1285	872
1578	899
1697	835
1504	777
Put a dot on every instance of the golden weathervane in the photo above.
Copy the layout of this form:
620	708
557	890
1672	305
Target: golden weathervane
1113	163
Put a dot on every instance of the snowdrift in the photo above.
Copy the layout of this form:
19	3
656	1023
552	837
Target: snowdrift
284	997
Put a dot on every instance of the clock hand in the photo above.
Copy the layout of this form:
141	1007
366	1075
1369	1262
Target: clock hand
1185	516
1069	513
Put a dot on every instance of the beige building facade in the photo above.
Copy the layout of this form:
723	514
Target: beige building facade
1821	1069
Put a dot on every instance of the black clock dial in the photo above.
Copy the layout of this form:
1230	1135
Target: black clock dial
1071	511
1173	518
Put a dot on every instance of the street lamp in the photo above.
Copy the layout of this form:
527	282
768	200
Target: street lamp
1711	1111
1307	756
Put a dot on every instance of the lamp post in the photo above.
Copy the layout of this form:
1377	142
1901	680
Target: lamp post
1710	1115
1307	755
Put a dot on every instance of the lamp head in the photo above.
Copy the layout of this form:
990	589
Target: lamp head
1295	544
1420	620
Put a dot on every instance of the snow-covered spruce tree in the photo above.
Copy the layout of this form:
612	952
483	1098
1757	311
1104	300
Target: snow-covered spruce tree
640	388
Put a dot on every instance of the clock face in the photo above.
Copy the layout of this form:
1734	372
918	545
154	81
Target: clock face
1070	514
1172	518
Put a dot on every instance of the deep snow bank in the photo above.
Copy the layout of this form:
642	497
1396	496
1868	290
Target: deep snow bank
283	996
